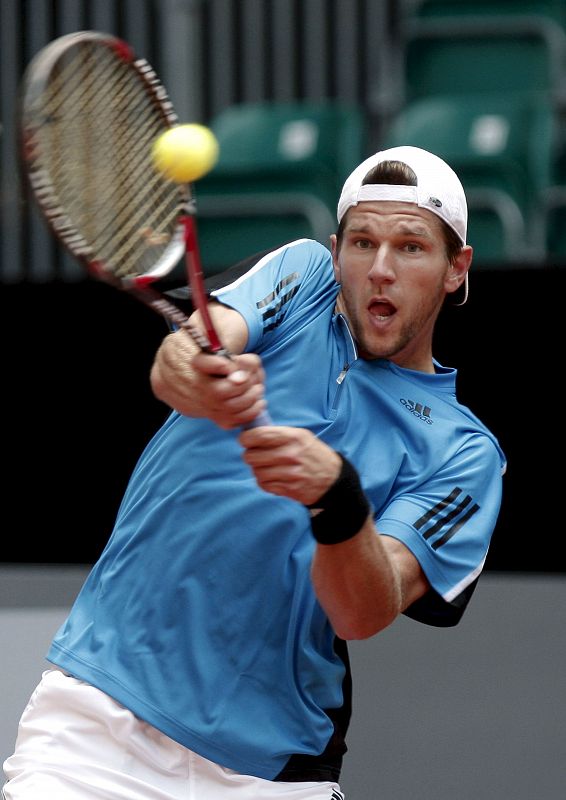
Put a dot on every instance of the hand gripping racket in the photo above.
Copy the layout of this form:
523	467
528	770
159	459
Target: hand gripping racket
90	113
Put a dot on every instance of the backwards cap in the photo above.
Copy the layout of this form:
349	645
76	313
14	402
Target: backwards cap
438	189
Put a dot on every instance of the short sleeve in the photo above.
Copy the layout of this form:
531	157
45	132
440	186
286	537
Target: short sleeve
282	287
447	523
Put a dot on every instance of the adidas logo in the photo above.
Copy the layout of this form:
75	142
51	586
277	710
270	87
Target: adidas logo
418	410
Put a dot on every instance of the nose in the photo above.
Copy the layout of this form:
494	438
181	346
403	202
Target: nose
382	268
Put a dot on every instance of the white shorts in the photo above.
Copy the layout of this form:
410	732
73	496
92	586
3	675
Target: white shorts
76	743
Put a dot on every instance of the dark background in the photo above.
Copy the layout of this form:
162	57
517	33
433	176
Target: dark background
77	408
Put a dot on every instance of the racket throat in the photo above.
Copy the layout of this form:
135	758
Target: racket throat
196	281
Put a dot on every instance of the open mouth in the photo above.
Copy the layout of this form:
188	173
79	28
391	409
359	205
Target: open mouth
381	309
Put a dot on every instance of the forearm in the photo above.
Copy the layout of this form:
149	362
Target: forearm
358	584
229	325
227	391
363	580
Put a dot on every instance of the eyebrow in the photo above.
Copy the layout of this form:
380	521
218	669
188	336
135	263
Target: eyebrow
357	228
403	228
410	230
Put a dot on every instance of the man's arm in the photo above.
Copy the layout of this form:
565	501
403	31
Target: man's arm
363	583
227	391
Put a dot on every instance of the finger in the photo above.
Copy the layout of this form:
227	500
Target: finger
267	436
237	399
238	377
213	365
233	419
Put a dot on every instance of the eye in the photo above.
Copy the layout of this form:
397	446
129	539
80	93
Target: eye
363	244
412	247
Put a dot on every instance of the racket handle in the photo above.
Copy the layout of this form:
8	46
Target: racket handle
261	419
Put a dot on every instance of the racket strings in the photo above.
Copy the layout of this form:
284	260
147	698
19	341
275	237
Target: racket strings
144	225
131	112
100	121
77	143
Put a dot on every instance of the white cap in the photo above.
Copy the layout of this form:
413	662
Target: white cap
438	187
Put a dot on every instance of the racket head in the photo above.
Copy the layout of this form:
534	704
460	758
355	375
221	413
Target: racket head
90	111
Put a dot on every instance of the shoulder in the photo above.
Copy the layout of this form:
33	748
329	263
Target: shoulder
278	288
294	260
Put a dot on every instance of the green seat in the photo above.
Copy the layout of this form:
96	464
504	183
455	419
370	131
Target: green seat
552	9
278	178
477	52
502	146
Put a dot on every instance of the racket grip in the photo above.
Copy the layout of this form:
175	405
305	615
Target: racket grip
261	419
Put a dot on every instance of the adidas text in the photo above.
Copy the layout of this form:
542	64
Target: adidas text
418	410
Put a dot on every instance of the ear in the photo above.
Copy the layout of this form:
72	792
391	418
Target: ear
335	261
458	270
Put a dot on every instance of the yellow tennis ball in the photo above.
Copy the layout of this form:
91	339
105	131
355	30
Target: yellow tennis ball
185	153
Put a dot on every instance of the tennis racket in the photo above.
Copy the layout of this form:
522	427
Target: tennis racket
90	112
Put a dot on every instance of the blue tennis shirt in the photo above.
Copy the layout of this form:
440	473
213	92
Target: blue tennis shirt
200	615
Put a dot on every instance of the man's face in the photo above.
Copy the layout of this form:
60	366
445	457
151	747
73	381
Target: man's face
394	271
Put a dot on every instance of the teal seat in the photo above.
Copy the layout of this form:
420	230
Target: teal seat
278	178
465	52
502	146
554	10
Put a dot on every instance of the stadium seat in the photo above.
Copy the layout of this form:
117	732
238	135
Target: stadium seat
553	9
279	175
449	53
502	147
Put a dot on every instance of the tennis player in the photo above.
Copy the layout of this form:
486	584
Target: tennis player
206	657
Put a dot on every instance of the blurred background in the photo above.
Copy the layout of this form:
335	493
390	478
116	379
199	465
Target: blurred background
298	92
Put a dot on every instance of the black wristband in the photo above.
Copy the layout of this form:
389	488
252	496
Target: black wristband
341	512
